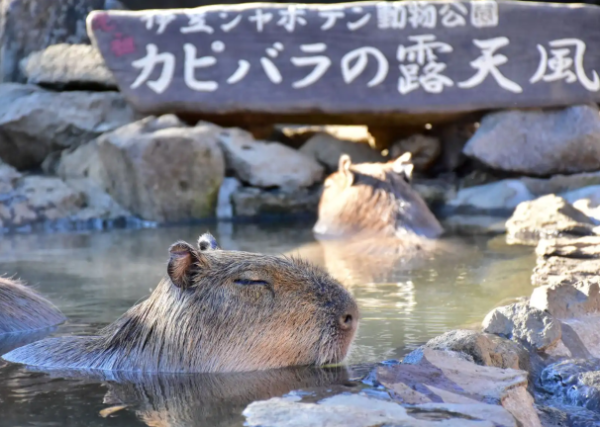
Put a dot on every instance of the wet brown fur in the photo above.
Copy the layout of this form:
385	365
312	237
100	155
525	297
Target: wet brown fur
23	310
374	199
218	311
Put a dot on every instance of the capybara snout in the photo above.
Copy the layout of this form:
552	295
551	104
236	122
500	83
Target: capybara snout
218	311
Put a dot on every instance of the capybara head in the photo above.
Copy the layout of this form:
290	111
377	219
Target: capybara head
217	311
374	199
23	310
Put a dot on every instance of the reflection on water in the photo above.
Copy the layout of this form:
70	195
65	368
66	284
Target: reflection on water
95	277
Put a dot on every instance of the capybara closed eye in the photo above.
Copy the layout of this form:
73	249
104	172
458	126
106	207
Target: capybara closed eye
217	311
22	309
374	199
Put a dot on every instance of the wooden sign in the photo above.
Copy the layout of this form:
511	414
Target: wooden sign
353	58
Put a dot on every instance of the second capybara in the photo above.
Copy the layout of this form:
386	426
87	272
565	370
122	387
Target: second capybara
23	310
374	199
217	311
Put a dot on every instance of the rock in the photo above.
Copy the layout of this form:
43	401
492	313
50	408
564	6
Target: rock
559	184
545	217
352	133
453	138
539	142
357	410
581	248
555	270
36	122
99	205
574	382
31	26
479	177
254	202
224	202
114	5
163	171
565	301
485	349
469	225
297	135
327	149
8	178
441	375
590	207
38	200
81	162
521	322
498	198
586	200
425	150
437	191
68	66
253	162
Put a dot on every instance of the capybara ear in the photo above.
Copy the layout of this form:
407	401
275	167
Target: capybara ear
207	242
344	168
182	264
403	166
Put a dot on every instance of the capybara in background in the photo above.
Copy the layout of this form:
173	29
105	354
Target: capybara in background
218	311
374	199
23	310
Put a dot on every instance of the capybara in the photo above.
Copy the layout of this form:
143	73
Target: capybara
374	199
23	310
217	311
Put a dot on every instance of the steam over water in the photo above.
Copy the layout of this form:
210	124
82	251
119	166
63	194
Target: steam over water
95	277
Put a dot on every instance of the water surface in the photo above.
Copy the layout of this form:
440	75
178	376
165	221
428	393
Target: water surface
94	277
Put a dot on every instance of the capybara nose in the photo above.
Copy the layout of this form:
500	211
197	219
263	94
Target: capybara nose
347	321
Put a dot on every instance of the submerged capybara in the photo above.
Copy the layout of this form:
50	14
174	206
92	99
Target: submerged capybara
217	311
23	310
374	199
215	400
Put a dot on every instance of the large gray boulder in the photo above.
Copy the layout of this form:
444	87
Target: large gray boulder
162	170
268	164
35	123
539	142
31	25
68	66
